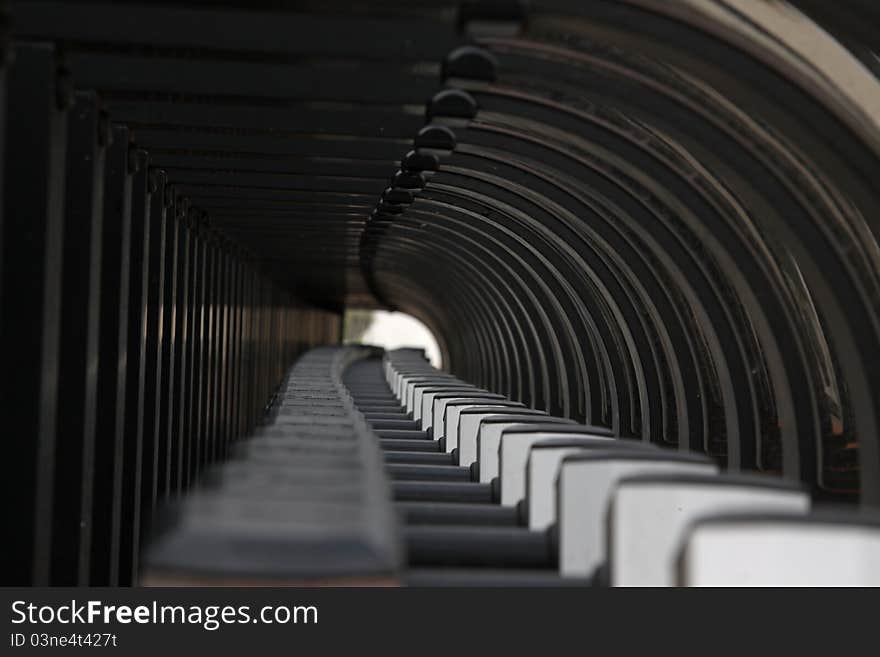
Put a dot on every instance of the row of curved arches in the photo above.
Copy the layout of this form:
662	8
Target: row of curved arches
657	219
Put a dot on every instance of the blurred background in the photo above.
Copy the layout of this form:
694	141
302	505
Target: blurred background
390	330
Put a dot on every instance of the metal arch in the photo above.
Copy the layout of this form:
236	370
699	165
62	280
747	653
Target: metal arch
781	392
663	210
800	456
484	369
795	433
501	292
585	245
526	292
629	258
502	224
747	333
834	127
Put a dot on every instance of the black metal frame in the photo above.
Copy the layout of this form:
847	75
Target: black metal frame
634	214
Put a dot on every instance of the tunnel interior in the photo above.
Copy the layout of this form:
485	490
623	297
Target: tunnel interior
656	218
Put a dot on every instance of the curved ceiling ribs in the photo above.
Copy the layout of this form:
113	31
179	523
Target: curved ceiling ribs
657	217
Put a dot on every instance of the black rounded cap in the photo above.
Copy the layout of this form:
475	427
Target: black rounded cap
389	208
397	196
452	103
470	63
439	137
409	179
415	161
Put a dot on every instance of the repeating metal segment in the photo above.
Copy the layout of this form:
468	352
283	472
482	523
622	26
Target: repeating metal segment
35	139
144	340
656	218
283	138
90	136
678	235
572	505
302	500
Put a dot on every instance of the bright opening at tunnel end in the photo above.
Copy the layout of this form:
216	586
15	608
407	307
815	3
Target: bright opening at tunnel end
391	330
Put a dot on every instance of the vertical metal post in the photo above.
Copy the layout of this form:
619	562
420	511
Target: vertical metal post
5	56
113	362
133	456
194	432
33	198
233	389
238	428
88	136
220	353
182	353
168	349
248	369
190	393
155	341
208	361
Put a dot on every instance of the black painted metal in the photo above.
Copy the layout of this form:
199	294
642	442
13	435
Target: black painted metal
78	360
638	215
591	194
33	216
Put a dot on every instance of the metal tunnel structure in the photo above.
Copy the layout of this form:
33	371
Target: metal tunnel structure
658	218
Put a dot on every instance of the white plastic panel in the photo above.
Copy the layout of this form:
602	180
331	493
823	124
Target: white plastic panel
489	444
409	381
411	389
440	414
513	456
470	426
419	393
781	553
584	490
543	466
647	520
453	414
415	388
425	400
